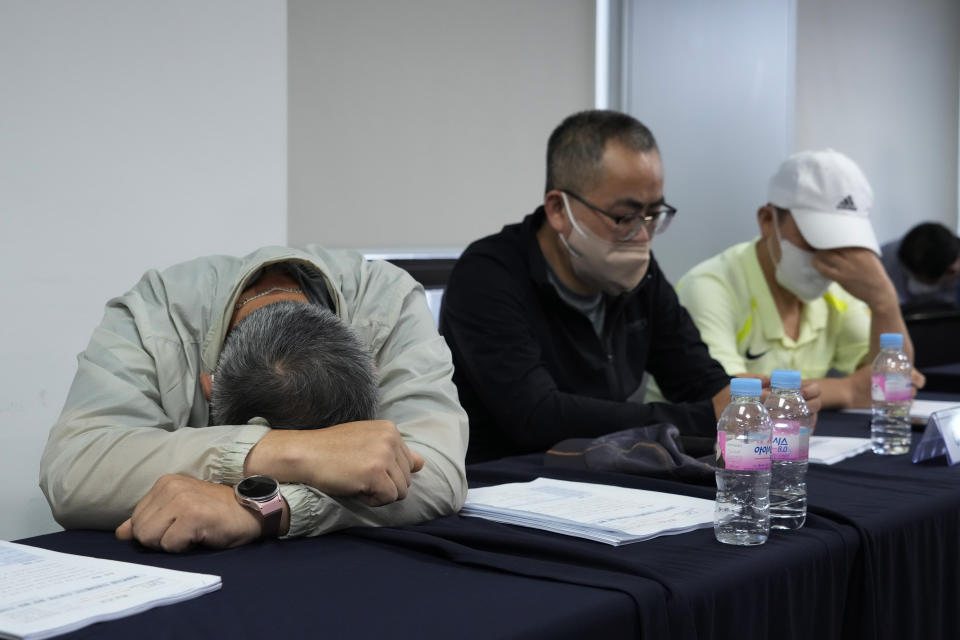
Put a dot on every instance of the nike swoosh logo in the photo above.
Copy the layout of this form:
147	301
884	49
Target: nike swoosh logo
754	356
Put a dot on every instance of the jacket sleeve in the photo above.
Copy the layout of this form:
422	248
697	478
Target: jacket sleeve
124	424
679	359
417	393
710	304
853	339
487	318
121	430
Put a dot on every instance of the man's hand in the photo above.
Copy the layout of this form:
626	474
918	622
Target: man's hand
368	460
858	391
917	382
810	389
180	512
860	272
721	400
812	395
861	396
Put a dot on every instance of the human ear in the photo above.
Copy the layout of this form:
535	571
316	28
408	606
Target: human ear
765	220
556	212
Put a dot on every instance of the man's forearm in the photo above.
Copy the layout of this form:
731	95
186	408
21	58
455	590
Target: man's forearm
836	393
277	455
886	318
861	274
431	496
79	462
437	489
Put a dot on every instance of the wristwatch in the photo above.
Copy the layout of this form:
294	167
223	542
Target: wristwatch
262	495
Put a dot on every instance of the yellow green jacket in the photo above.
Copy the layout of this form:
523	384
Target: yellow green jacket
731	304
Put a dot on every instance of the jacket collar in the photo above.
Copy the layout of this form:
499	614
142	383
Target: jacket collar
232	279
813	317
535	259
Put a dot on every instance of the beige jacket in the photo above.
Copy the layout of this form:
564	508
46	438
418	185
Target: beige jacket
136	410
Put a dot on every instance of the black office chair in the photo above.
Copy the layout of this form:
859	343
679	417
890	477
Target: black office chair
935	336
431	269
431	272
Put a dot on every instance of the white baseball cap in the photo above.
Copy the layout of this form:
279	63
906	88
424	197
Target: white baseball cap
829	198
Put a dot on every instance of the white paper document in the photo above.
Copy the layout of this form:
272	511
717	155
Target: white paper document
833	449
46	593
920	410
613	515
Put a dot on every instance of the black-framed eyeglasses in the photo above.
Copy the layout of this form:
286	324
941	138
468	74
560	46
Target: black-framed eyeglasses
656	219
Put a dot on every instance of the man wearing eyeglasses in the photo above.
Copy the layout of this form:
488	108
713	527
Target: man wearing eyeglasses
553	321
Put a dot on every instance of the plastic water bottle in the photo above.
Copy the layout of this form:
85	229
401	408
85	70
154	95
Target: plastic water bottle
789	448
742	512
892	396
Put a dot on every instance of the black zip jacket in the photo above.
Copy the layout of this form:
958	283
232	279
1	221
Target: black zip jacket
531	370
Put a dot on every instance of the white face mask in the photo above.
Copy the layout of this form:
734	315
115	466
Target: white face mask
612	267
795	271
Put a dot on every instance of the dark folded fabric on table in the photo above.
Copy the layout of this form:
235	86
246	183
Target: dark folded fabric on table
654	451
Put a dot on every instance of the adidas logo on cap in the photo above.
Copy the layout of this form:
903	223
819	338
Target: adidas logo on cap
847	203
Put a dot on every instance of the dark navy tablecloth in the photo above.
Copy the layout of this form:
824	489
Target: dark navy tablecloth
879	557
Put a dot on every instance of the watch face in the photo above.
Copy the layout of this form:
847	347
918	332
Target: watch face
257	487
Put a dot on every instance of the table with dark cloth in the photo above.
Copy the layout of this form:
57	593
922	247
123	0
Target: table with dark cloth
877	558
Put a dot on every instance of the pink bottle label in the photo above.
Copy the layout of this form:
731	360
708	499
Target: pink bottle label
788	441
891	387
749	454
804	443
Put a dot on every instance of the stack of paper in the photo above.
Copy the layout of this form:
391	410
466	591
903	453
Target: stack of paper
833	449
613	515
920	410
45	593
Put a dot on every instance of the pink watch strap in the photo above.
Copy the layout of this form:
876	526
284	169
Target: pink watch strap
272	513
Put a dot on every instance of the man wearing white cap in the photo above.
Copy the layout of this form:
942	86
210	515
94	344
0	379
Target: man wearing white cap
810	293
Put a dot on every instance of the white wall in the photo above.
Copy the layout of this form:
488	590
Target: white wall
730	88
136	133
424	123
133	134
714	82
880	81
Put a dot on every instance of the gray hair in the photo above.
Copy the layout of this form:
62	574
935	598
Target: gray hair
296	365
575	149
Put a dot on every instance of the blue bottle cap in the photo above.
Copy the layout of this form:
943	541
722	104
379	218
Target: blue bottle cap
891	341
745	387
785	379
